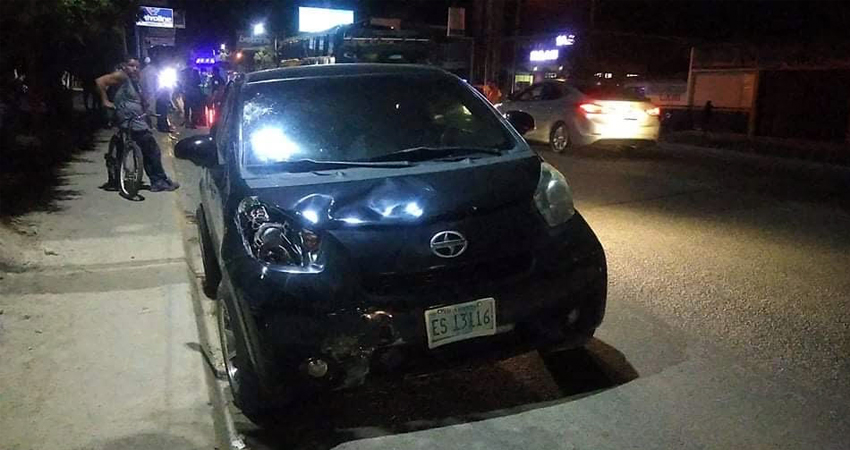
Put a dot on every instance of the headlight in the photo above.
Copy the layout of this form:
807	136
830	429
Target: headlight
553	198
272	237
167	78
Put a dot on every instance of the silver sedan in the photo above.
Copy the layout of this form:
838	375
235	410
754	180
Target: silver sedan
569	115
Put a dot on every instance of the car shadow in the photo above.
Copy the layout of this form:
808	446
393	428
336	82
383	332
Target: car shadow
461	395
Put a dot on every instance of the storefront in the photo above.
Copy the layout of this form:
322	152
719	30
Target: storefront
541	58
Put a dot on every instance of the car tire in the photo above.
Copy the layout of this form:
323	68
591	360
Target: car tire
245	387
212	272
559	138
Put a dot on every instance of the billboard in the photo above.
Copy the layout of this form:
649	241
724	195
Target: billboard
152	16
544	55
320	19
253	42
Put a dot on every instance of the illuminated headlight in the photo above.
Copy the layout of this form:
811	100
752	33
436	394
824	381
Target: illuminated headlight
273	238
553	198
167	78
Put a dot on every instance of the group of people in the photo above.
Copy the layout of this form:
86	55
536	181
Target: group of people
131	92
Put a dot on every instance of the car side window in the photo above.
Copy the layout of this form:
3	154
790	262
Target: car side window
573	93
533	93
551	92
225	123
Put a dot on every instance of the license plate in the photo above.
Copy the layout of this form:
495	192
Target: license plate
454	323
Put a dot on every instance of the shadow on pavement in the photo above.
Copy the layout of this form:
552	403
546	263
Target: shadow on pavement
462	395
33	168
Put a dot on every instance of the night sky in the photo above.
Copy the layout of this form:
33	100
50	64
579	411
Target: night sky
709	20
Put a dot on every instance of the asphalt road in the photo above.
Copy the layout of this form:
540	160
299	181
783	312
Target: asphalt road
728	324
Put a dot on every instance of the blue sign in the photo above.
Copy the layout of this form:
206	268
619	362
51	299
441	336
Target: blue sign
152	16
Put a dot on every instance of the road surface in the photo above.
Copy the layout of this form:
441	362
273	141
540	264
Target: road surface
727	324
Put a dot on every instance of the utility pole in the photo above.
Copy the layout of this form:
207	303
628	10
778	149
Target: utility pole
592	14
494	27
517	15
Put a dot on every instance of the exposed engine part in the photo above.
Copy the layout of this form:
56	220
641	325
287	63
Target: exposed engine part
273	237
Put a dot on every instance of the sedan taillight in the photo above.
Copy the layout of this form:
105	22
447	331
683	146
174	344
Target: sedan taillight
591	108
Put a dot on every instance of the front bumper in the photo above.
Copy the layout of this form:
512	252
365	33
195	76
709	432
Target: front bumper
382	326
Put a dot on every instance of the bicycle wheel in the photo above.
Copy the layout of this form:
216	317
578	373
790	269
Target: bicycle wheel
130	170
111	158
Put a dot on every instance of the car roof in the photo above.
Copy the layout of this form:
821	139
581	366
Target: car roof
334	70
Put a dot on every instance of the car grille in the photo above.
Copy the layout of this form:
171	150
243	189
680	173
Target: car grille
448	276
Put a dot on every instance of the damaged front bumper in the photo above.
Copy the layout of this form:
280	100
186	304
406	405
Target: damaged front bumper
308	342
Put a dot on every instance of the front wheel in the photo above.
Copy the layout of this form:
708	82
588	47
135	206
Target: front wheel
130	170
559	138
244	382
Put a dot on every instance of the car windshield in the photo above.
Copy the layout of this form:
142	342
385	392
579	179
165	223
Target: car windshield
363	118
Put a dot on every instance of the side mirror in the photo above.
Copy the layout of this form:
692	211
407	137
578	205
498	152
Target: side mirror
198	149
522	122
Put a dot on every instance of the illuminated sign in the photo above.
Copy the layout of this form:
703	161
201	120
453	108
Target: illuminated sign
564	40
524	78
544	55
320	19
204	60
150	16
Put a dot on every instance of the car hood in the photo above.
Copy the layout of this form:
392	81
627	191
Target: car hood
408	199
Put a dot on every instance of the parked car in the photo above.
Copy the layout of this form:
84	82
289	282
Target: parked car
576	114
382	218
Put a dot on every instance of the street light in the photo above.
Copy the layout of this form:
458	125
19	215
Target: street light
259	29
223	47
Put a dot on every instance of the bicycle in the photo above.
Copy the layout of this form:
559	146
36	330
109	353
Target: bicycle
124	160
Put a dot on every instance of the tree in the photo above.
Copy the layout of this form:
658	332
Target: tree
45	38
264	59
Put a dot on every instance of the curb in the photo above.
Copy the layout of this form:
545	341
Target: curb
204	308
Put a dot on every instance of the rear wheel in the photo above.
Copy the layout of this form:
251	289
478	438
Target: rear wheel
242	377
130	170
559	138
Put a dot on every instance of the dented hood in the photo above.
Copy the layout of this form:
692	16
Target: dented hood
411	198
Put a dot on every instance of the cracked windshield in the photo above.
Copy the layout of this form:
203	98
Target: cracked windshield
408	224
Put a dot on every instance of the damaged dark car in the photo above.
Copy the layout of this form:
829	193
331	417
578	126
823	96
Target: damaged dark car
358	220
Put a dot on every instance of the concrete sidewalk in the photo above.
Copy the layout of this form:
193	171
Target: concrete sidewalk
99	337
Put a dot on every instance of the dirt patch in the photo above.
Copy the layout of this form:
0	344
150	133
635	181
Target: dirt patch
14	242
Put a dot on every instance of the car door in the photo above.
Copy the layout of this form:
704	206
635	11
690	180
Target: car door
214	180
551	108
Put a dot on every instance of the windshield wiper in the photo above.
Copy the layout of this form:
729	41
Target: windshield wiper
309	165
427	153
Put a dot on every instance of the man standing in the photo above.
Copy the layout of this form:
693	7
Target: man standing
190	82
149	84
129	104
